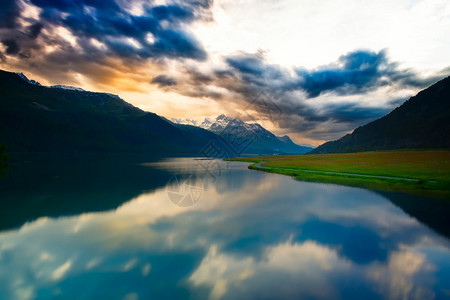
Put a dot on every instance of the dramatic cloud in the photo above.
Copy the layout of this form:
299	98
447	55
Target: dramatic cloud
9	12
325	101
220	57
92	31
11	46
34	30
357	72
163	80
380	247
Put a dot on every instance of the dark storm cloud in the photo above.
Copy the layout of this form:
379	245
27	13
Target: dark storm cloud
11	46
159	32
357	72
176	44
351	112
295	92
252	69
171	12
34	30
354	73
163	80
247	64
107	41
9	12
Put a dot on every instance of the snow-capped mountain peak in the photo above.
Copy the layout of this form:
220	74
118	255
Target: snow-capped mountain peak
207	122
242	137
185	121
257	138
224	124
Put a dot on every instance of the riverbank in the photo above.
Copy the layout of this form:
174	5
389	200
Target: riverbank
425	173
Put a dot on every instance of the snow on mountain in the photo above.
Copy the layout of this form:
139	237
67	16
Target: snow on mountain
223	123
66	87
257	139
21	75
185	122
239	136
206	124
70	88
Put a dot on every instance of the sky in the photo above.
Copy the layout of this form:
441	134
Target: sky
314	70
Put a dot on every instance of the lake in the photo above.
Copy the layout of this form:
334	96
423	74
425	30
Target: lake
114	227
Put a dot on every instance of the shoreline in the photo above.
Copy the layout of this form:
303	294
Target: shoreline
382	171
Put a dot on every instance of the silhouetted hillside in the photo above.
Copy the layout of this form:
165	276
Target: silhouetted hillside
38	118
423	121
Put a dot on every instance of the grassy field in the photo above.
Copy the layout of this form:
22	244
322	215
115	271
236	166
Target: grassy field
419	172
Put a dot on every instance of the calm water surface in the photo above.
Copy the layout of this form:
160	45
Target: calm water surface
90	228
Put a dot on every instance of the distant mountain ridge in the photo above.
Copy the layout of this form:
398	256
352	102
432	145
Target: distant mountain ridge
248	138
423	121
67	87
59	86
21	75
36	118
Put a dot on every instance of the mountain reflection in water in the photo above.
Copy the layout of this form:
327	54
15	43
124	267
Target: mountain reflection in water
92	228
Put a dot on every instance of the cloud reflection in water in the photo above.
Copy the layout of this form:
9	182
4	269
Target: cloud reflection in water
252	235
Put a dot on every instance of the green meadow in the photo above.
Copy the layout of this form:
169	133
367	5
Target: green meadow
426	173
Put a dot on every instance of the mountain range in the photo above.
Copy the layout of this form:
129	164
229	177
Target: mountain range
247	138
423	121
36	118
